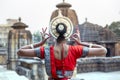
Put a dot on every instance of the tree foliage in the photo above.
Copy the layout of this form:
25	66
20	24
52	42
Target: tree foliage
36	37
115	27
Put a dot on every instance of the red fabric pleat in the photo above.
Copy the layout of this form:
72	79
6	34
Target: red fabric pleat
42	52
62	55
53	67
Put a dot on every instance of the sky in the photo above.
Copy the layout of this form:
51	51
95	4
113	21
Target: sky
36	13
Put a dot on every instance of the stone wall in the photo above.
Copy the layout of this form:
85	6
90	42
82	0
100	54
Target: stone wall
3	59
3	56
117	49
104	64
33	69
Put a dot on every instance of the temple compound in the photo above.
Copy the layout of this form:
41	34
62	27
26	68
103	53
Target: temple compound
34	68
93	33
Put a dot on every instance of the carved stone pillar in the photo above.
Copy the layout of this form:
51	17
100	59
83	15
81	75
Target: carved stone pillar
17	37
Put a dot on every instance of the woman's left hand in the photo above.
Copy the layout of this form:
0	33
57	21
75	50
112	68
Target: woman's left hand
44	35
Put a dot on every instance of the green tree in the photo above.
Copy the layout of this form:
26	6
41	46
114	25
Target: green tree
36	37
115	27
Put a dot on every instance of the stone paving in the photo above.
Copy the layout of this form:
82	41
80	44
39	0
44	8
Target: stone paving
99	76
12	75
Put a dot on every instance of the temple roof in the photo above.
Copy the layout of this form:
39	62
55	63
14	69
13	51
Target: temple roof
95	33
63	5
89	32
19	25
66	11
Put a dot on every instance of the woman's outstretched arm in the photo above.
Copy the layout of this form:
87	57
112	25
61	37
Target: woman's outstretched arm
28	50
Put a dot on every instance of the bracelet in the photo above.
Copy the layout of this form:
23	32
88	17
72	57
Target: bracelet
32	46
90	46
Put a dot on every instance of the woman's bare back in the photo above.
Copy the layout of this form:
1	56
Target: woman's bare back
58	51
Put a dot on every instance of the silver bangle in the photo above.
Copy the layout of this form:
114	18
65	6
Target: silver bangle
32	46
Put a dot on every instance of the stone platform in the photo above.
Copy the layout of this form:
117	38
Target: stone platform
94	68
11	75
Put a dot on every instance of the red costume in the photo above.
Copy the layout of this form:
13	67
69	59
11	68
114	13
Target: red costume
60	69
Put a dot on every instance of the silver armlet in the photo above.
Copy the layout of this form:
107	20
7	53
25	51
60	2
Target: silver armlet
90	46
32	46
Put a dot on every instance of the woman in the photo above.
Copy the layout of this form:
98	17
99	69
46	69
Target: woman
60	59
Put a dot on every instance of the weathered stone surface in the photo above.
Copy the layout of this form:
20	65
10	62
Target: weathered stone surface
33	69
3	56
17	38
3	59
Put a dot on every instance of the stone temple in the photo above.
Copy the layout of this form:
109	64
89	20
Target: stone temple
17	37
67	12
34	68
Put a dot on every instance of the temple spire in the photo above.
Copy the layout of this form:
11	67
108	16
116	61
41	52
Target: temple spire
19	19
86	19
63	1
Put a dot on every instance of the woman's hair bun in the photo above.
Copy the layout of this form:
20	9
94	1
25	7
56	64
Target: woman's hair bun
61	28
